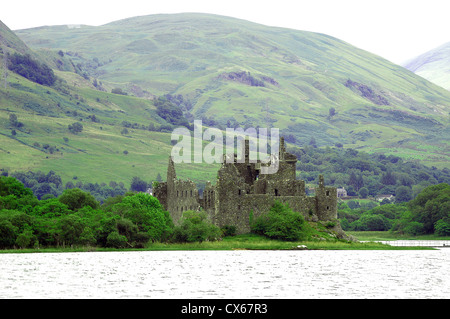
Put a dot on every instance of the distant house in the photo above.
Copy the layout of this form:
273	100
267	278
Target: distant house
381	197
341	192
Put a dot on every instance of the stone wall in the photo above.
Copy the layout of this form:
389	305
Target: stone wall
241	189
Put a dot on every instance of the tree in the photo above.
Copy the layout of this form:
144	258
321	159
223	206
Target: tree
8	234
147	214
388	178
195	227
280	223
138	185
442	227
76	199
75	128
403	194
363	192
11	186
31	69
116	240
431	205
331	112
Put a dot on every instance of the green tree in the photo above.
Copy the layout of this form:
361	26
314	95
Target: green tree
363	192
442	227
8	234
403	194
75	128
75	199
147	214
116	240
138	185
26	239
280	223
431	205
195	227
11	186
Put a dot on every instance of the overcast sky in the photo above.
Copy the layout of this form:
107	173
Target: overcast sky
394	29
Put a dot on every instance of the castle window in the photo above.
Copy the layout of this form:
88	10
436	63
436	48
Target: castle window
328	207
191	192
328	193
239	192
276	192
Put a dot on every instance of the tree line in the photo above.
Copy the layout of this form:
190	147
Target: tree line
427	213
76	218
367	175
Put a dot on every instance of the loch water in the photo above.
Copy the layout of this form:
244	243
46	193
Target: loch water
293	274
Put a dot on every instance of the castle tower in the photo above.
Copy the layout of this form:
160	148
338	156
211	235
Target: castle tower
326	201
171	174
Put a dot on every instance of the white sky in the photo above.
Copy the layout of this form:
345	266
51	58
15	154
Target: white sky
394	29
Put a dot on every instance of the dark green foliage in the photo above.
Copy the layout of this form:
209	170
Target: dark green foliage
428	213
31	69
431	205
195	227
280	223
354	170
403	194
118	91
75	128
442	227
147	214
138	185
14	122
11	186
170	112
76	198
76	218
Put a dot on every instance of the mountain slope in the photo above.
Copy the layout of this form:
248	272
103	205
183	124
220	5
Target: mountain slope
433	65
40	139
229	72
234	72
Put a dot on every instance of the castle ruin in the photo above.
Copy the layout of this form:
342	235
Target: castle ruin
241	189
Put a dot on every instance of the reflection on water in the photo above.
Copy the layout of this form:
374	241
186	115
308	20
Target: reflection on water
227	274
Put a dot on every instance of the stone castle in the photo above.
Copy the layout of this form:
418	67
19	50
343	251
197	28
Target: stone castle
241	189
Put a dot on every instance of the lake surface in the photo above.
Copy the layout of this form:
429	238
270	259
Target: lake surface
227	274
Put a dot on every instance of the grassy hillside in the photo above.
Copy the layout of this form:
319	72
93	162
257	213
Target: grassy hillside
239	73
433	65
229	72
102	152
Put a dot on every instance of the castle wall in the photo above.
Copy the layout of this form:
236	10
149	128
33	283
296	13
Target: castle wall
241	190
238	213
183	196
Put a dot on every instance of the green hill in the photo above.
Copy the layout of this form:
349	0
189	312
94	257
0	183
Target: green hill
235	72
228	72
433	65
40	139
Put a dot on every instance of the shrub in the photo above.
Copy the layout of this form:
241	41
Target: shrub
75	128
116	240
147	214
195	227
75	199
442	227
280	223
31	69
